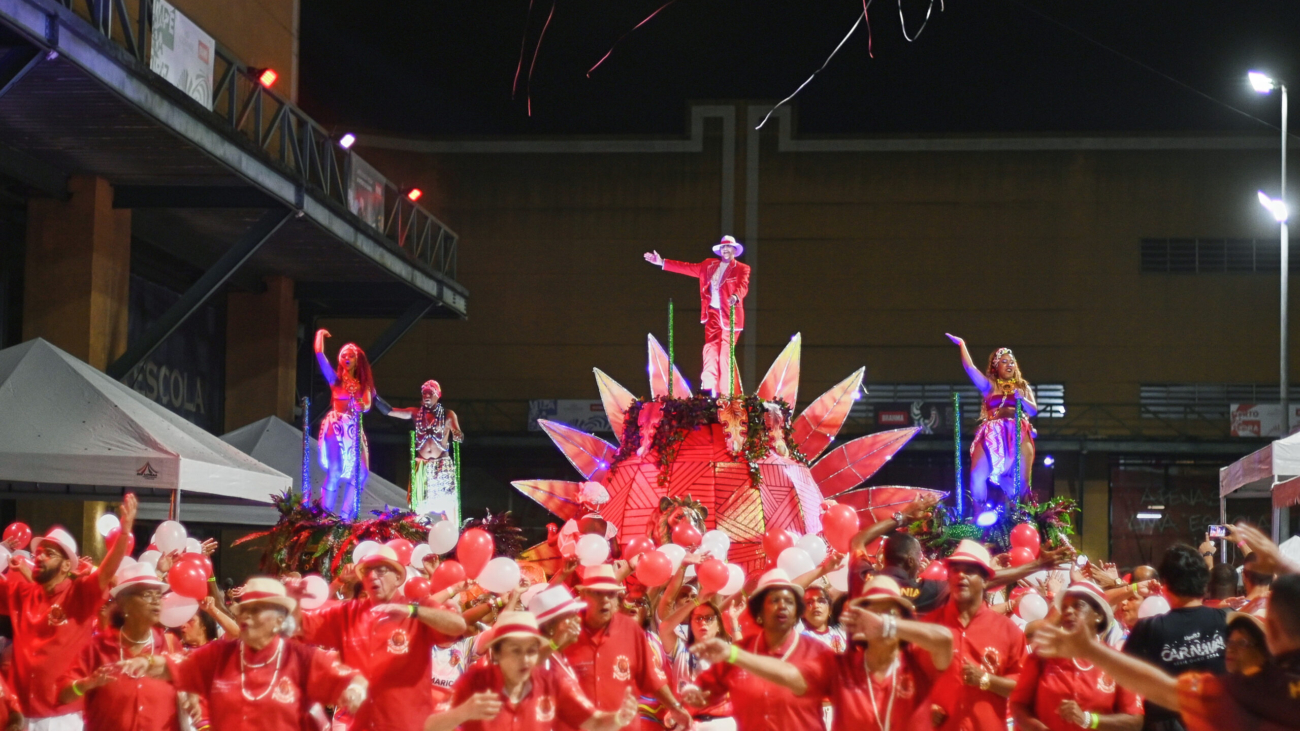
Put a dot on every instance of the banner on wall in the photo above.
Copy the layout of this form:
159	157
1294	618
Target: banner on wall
187	373
182	53
932	417
583	414
1260	420
366	192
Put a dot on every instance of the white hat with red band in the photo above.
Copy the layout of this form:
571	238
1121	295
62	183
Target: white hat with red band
553	603
135	576
513	624
883	588
600	578
383	555
969	551
1093	594
60	538
265	590
729	241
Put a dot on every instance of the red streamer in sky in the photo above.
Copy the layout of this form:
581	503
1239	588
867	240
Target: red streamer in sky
625	35
537	50
523	42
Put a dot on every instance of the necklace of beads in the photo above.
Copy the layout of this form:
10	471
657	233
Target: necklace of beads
278	657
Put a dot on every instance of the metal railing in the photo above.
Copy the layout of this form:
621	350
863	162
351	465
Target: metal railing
284	134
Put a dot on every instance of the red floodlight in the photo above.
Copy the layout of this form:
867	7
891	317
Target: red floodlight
414	194
266	77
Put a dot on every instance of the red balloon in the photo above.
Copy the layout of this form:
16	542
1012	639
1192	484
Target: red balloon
1026	536
402	548
418	588
936	571
776	541
447	574
839	524
686	535
187	579
637	545
20	533
1021	556
111	539
654	568
474	550
203	563
713	575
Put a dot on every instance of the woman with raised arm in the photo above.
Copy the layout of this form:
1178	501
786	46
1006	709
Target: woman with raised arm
993	452
342	440
704	621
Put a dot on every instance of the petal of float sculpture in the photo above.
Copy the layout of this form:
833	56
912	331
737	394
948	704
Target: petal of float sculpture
782	379
851	464
558	496
875	504
817	426
616	399
591	456
658	366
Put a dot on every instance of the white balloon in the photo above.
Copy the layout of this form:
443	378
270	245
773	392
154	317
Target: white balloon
839	578
150	557
795	562
1032	606
690	573
192	545
443	536
4	559
716	544
170	536
592	550
315	590
363	549
177	609
500	575
735	580
815	546
675	553
417	555
1153	606
106	523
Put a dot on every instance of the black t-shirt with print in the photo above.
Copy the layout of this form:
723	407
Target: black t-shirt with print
1186	639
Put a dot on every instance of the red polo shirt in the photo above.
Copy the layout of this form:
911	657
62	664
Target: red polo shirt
990	641
554	697
50	630
905	694
282	692
394	653
1043	684
126	704
762	706
614	659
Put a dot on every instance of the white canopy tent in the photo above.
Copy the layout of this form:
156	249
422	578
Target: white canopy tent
279	444
1271	472
70	430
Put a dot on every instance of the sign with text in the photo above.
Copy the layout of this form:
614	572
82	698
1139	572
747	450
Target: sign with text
187	373
583	414
1260	420
182	53
932	417
366	192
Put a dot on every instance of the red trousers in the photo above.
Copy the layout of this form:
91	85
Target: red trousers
717	353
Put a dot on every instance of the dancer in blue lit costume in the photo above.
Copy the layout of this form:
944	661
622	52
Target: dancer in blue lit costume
433	474
344	453
993	452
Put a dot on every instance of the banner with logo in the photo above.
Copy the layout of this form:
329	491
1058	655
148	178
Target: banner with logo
187	373
366	192
1260	420
933	417
182	53
583	414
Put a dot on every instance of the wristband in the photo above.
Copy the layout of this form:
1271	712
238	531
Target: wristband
1134	588
554	647
1096	720
212	579
1087	720
415	609
733	655
77	690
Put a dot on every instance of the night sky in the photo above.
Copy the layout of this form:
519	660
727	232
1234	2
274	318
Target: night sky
444	67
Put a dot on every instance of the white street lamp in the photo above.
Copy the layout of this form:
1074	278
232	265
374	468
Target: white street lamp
1264	84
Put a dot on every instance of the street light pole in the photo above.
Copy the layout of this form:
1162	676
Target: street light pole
1265	85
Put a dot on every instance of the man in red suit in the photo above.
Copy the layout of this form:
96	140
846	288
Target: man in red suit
723	282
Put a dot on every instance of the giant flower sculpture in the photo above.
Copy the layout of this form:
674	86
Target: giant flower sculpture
744	459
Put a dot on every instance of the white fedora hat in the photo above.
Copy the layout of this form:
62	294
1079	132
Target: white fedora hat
729	241
137	575
60	538
554	603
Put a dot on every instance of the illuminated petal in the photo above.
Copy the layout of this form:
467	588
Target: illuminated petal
853	463
616	400
782	379
875	504
545	555
558	496
591	456
658	367
817	426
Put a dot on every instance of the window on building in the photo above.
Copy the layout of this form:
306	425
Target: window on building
1049	396
1213	256
1204	400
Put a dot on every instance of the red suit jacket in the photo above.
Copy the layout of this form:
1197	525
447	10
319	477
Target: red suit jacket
735	281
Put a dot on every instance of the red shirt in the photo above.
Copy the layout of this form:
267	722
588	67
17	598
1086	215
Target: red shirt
843	678
394	653
758	705
126	704
614	659
50	630
992	642
1043	684
282	692
554	696
1265	701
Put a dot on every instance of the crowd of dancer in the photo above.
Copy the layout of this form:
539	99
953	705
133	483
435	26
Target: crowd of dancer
594	650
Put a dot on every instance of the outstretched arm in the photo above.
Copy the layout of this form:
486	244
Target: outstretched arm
915	510
977	377
126	519
325	368
933	638
1048	558
1141	677
770	669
